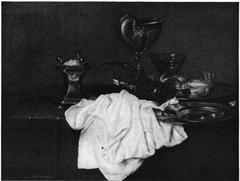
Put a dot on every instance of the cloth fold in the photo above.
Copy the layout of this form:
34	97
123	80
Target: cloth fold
119	131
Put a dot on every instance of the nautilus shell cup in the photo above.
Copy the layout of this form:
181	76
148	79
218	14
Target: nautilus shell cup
140	34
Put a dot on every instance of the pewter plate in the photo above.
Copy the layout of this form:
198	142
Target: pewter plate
198	112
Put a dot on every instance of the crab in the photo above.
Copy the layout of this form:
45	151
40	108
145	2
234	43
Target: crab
191	87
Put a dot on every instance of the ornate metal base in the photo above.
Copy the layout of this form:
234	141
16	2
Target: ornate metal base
65	102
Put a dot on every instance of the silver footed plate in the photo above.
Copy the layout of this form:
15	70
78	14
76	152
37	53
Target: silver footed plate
195	112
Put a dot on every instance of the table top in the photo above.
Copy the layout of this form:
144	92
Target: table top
20	106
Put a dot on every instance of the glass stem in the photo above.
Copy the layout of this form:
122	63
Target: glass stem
139	67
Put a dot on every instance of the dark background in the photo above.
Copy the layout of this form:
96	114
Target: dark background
45	147
34	34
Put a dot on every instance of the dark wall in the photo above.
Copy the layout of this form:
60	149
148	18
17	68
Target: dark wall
34	34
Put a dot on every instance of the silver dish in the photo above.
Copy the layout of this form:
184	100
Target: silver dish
195	112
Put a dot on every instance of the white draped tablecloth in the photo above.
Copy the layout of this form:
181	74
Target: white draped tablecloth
119	131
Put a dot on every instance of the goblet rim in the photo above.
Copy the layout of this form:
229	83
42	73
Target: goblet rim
176	58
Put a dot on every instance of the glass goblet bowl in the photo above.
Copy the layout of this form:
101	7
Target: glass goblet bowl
168	63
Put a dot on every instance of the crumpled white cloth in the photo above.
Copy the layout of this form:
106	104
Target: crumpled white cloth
119	131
